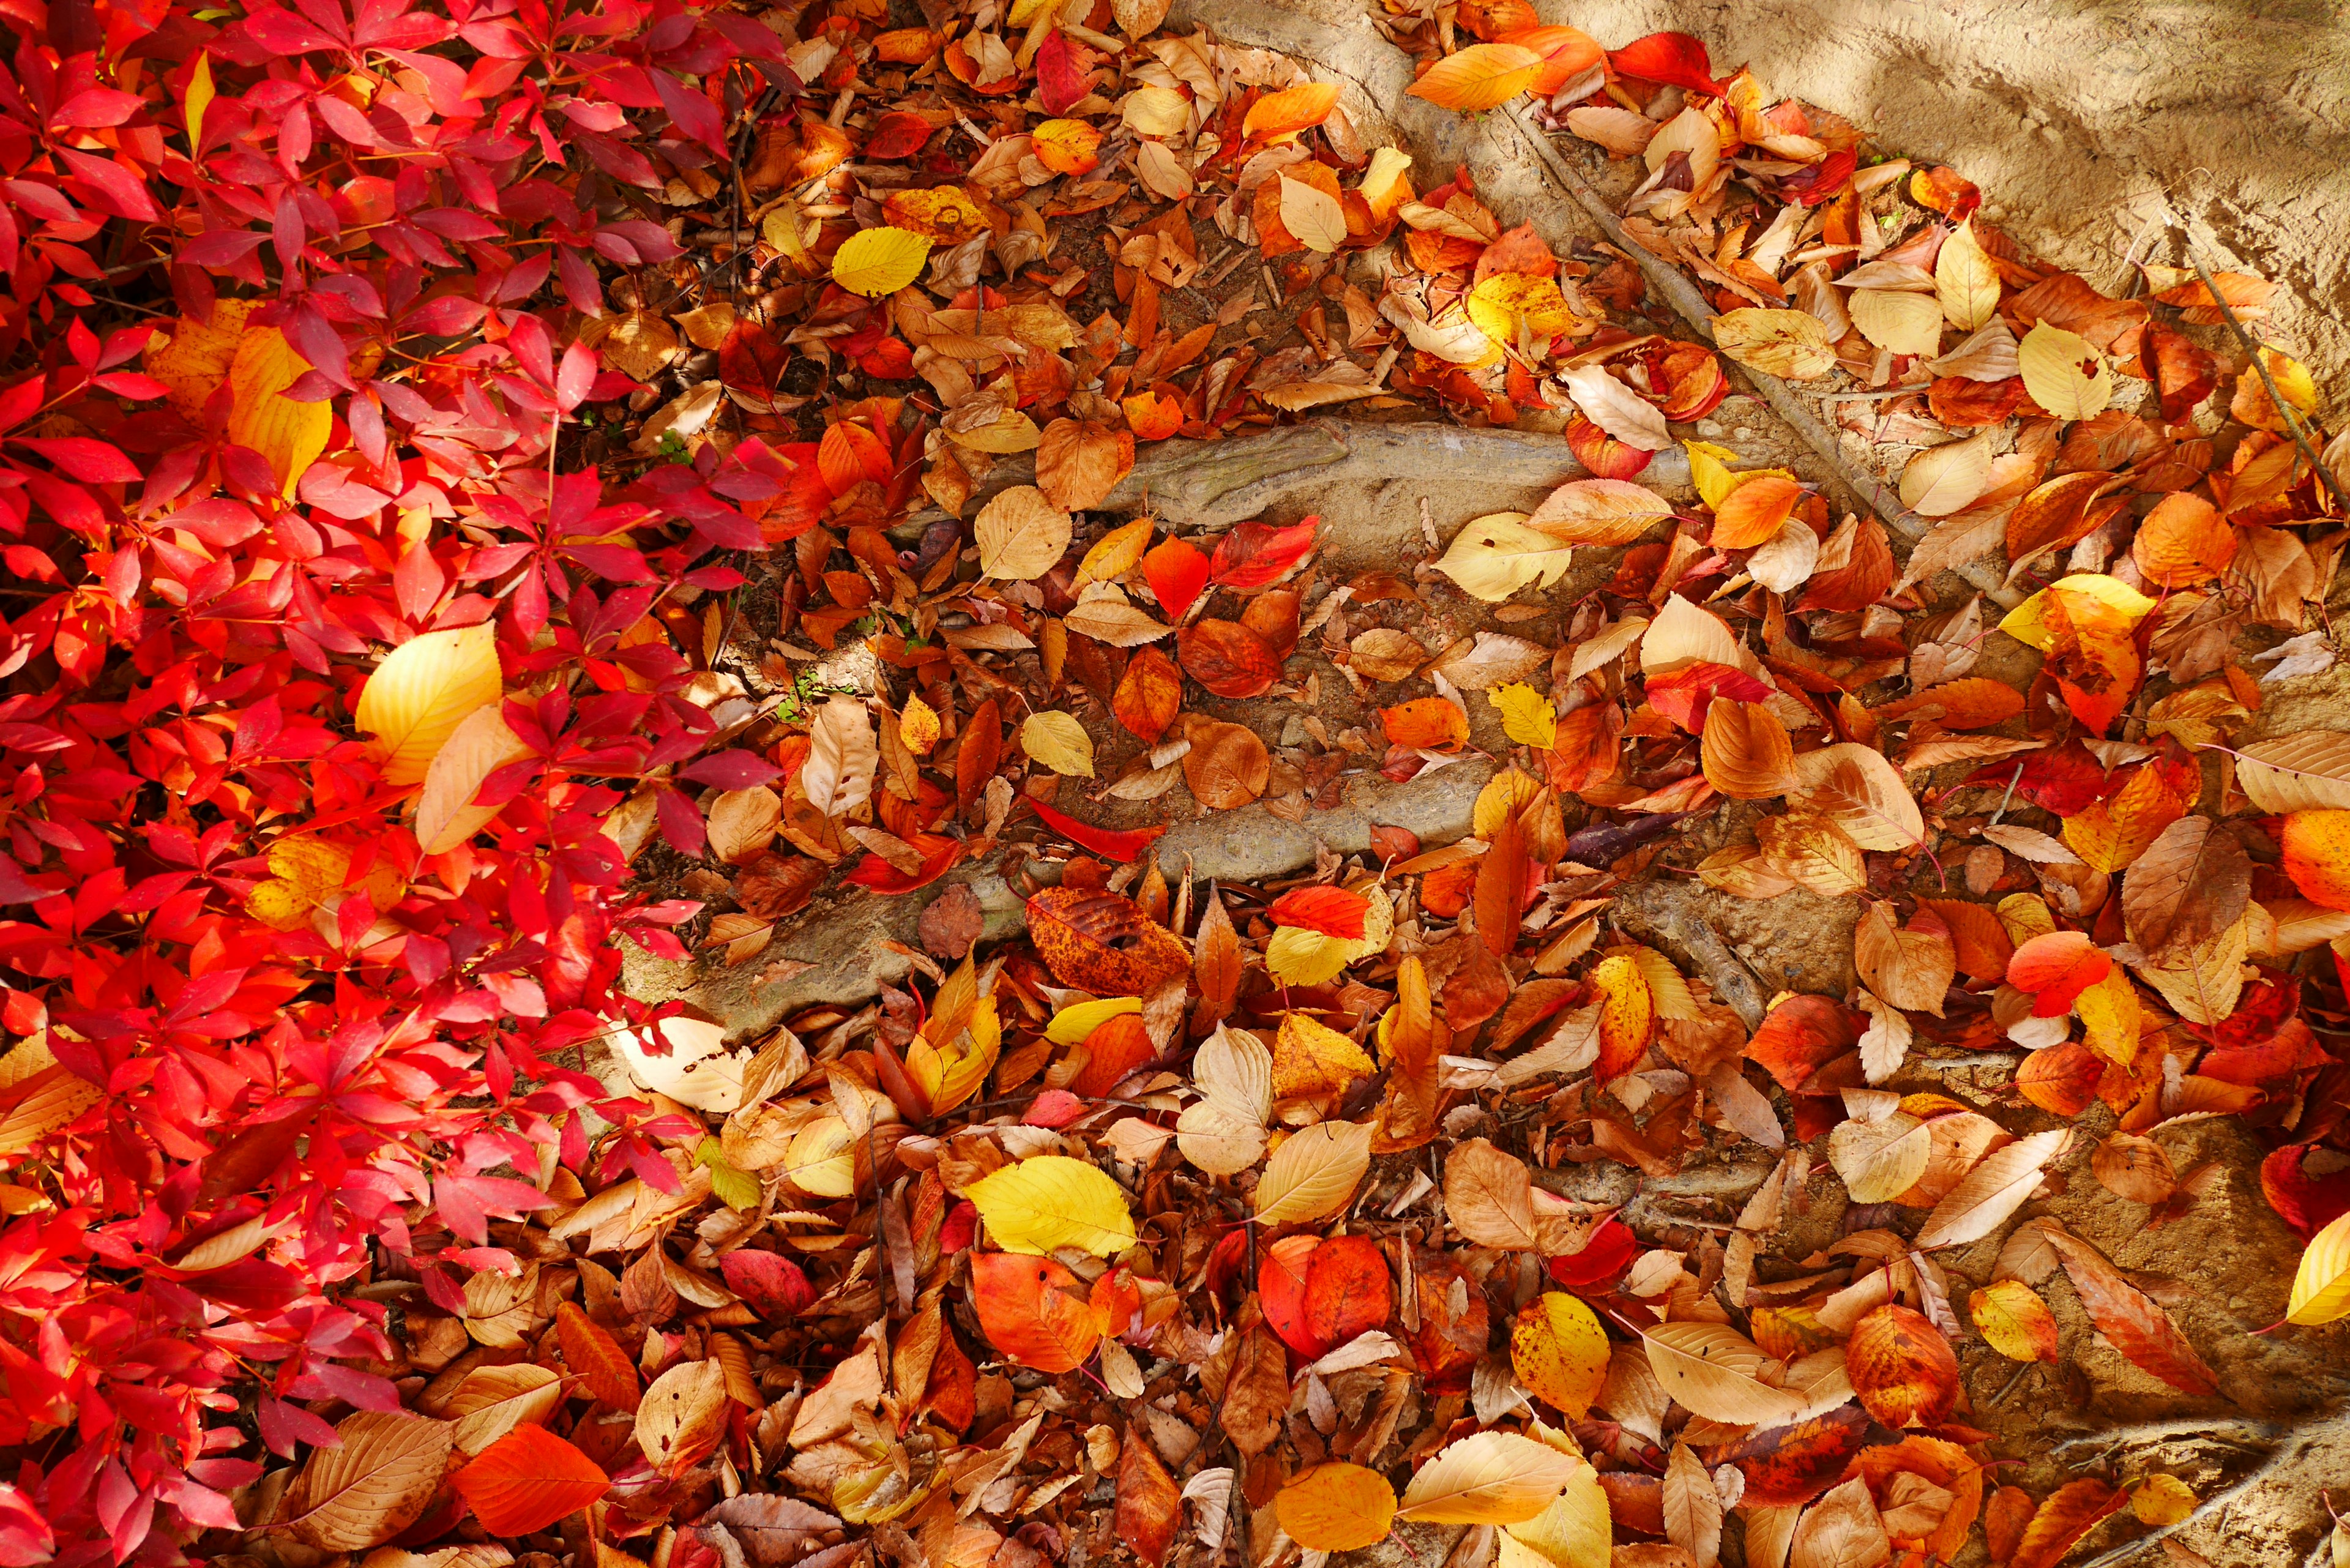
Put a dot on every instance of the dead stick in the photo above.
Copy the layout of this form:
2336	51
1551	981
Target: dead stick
2284	410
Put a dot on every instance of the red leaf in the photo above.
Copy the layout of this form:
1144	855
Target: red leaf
1803	1034
1281	1293
1608	1253
1349	1289
1064	73
1684	695
2307	1203
529	1480
1054	1108
770	1281
1256	555
897	134
1674	59
1114	844
1332	911
2055	969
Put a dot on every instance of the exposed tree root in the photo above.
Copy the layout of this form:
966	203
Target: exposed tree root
2295	1442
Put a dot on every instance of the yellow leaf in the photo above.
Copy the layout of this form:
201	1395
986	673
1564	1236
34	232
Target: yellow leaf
1527	716
2252	402
948	1076
1560	1351
1965	280
1794	344
1494	555
1057	740
822	1160
200	94
875	262
1051	1201
1314	1174
1489	1478
445	814
2321	1288
1114	553
1312	1058
287	434
2162	1501
1336	1508
42	1095
421	692
1572	1532
1072	1023
918	726
193	360
2028	622
1508	302
2052	362
1297	956
1384	187
1481	76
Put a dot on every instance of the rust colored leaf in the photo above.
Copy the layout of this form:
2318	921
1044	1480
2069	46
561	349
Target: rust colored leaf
1148	1505
1103	943
2060	1080
1216	961
1258	555
2070	1512
1032	1310
1502	887
1785	1465
977	753
1902	1367
1228	765
605	1371
1349	1289
1803	1034
1148	695
1228	658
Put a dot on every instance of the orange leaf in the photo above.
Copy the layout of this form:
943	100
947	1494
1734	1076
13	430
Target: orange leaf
1747	753
1066	146
1500	895
1148	695
1750	514
1148	1505
2055	969
1332	911
1433	722
1115	1047
1627	1016
2014	1321
2093	654
1230	659
2317	855
596	1358
2184	541
1033	1310
1567	53
1285	113
529	1480
1480	77
1154	416
1903	1369
2071	1511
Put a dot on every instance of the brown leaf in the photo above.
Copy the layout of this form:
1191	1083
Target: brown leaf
374	1486
2133	1167
2130	1321
2192	883
951	923
977	752
1102	943
1257	1397
1079	462
1842	1531
1692	1507
1227	767
1148	1505
1502	887
1910	968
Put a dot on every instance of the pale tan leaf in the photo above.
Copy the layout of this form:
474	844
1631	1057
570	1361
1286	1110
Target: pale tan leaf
1488	1477
374	1486
843	755
1992	1192
480	745
1314	1173
1020	535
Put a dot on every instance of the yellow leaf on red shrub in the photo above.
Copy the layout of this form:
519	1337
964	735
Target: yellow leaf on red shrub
289	434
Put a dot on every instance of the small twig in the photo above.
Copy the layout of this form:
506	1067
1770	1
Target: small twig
2284	410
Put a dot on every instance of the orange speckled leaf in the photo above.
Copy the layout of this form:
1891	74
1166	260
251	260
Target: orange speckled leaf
2183	542
2317	855
1102	943
2070	1512
1903	1369
1432	722
1349	1289
1627	1016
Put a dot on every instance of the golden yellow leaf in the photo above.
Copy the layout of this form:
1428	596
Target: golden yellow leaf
918	726
1527	716
480	745
194	359
1572	1532
1336	1508
288	435
1560	1351
1494	555
1314	1173
822	1159
1312	1058
1074	1022
1298	956
2162	1501
201	93
1480	77
1057	740
2321	1287
2028	622
1114	553
1051	1201
1794	344
1509	302
875	262
372	1486
949	1075
421	692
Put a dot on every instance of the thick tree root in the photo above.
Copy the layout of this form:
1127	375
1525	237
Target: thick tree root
2295	1442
